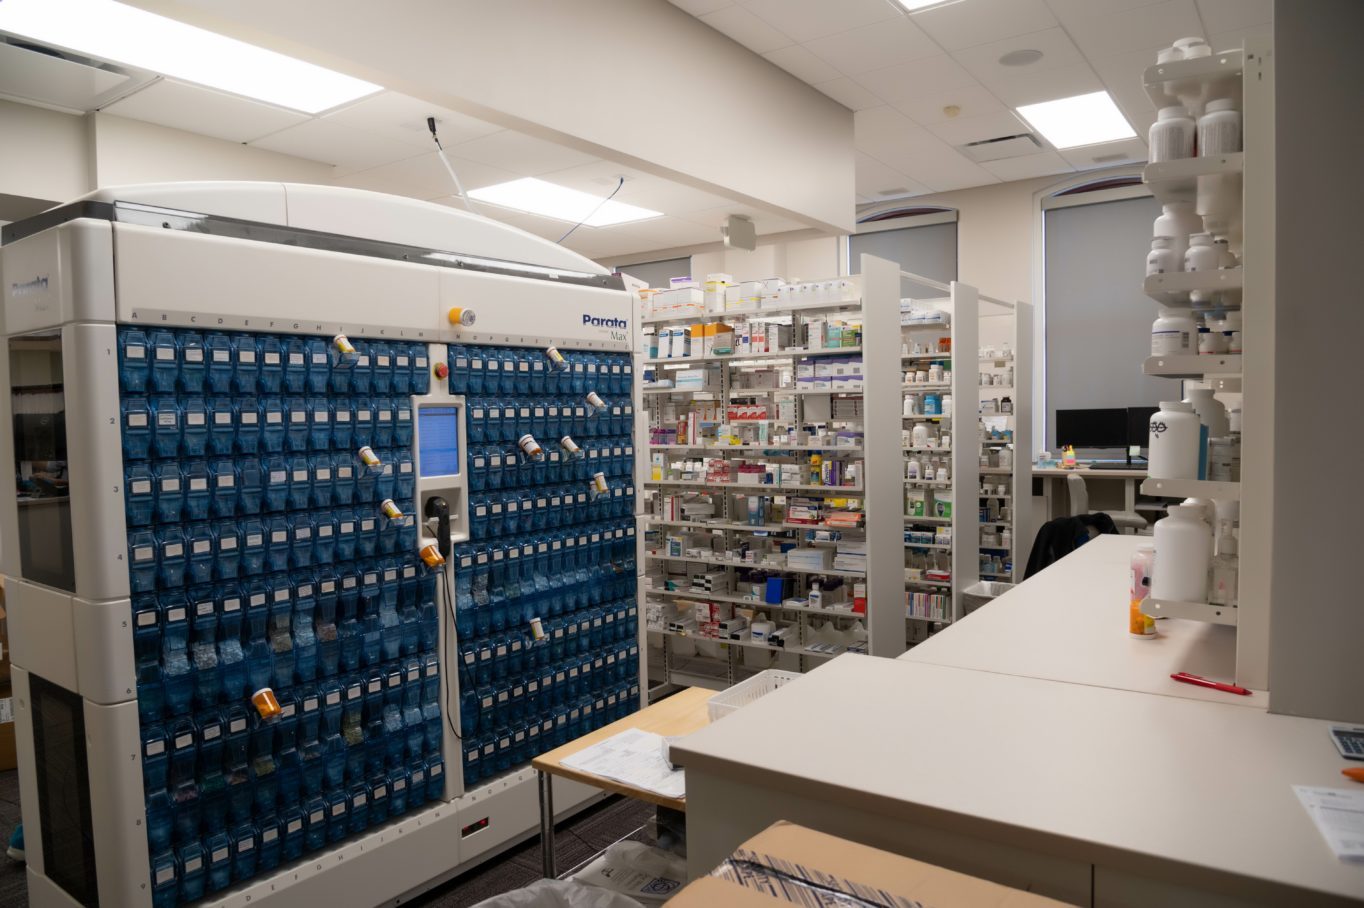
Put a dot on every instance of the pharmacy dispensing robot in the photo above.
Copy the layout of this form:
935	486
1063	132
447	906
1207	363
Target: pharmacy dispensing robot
323	526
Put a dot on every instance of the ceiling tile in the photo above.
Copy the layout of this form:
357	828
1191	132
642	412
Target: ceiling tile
349	149
403	119
850	94
875	46
802	64
1158	25
202	110
1076	10
806	20
962	130
1239	37
1029	166
887	135
701	7
916	79
1109	154
1055	46
764	221
746	28
973	101
876	181
1121	74
519	152
1229	15
1028	87
424	177
958	25
943	168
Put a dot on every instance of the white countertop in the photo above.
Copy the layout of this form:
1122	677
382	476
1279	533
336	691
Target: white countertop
1117	778
1069	623
1136	473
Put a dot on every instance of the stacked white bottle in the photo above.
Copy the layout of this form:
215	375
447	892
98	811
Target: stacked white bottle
1219	129
1177	221
1174	442
1183	556
1172	135
1173	332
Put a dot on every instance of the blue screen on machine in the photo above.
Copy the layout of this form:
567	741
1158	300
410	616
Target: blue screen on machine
438	441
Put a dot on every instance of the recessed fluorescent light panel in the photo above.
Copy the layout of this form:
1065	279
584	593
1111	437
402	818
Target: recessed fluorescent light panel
135	37
559	202
915	6
1081	120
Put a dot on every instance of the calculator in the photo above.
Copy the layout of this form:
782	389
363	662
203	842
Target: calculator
1349	741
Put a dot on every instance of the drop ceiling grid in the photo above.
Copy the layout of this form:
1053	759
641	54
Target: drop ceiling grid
916	64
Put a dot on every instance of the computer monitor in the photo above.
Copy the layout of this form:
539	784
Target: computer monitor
1098	428
1139	427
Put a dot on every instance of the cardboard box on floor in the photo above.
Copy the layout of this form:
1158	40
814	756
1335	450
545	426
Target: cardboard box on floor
789	864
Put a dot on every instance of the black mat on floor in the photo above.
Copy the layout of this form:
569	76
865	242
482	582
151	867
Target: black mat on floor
575	841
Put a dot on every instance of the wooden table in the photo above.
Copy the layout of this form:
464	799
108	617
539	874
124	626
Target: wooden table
680	714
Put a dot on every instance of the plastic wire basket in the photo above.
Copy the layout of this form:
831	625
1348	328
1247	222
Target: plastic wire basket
745	692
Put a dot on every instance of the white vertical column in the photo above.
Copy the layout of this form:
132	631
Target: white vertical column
883	472
1024	522
965	441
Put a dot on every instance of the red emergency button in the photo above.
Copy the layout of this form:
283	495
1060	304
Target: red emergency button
441	371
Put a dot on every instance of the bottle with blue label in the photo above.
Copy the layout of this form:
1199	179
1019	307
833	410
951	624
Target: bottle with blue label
382	363
263	767
243	852
246	364
197	493
222	426
193	362
166	426
137	418
218	353
134	359
268	851
319	423
231	655
165	362
305	635
295	365
190	860
222	480
246	414
213	819
296	424
272	422
318	353
184	788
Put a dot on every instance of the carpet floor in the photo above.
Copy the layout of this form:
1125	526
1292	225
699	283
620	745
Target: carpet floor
575	841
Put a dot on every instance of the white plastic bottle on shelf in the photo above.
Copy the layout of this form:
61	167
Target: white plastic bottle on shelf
1219	129
1210	339
1228	258
1211	411
1177	221
1174	442
1162	258
1222	589
1202	255
1172	135
1183	556
1006	457
1231	330
1192	48
1173	332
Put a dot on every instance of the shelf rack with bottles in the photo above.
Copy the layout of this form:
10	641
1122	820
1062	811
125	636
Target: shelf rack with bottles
796	426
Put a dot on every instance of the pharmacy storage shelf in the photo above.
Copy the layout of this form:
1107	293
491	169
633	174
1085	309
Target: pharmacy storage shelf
683	361
1193	365
756	489
757	446
1178	181
1196	611
1192	488
750	602
753	565
750	312
1216	75
1174	288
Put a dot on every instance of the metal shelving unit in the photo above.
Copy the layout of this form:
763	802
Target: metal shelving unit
770	440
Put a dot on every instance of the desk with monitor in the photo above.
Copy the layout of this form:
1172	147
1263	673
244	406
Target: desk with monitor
1112	484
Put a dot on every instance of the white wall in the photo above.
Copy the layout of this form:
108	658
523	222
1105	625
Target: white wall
702	109
43	154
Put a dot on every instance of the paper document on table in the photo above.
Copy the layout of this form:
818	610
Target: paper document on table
632	757
1339	815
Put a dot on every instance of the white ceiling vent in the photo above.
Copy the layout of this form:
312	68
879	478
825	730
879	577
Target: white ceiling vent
49	77
1001	147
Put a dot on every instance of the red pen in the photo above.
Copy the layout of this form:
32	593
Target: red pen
1215	685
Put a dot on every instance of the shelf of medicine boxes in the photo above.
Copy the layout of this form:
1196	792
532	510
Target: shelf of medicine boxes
835	491
755	565
758	446
1191	488
749	311
1174	288
702	596
798	650
748	357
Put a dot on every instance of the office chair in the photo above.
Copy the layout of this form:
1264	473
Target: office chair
1079	504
